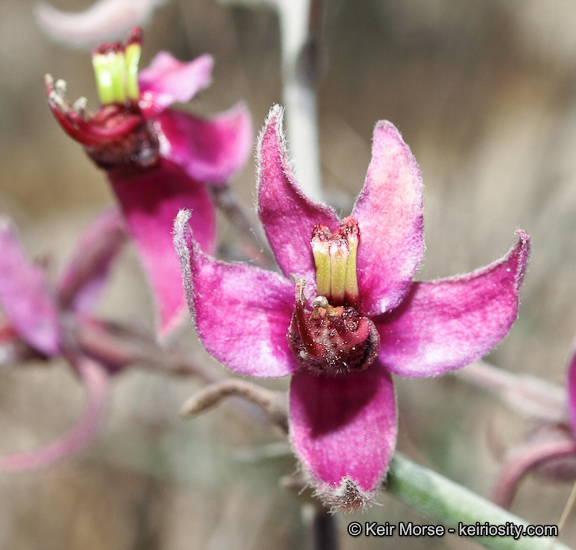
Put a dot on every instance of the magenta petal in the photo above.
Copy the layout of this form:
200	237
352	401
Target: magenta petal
151	199
343	429
572	388
209	150
287	214
242	313
168	80
25	296
446	324
389	211
96	380
85	276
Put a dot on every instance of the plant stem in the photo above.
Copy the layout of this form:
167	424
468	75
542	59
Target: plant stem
321	526
300	66
450	504
526	394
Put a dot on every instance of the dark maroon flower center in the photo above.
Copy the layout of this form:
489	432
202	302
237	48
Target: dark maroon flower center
333	338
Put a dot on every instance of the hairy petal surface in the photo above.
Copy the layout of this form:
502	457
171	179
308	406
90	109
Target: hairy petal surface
209	150
389	211
151	199
242	313
95	378
287	214
85	276
168	80
25	296
446	324
343	429
103	21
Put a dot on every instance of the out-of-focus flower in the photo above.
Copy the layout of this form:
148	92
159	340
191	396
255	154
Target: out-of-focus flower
549	450
157	159
105	20
34	316
345	313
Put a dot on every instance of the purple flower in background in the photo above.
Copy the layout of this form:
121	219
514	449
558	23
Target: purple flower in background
157	159
549	450
35	314
344	314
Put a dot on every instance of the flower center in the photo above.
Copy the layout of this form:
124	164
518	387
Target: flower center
335	259
117	134
334	338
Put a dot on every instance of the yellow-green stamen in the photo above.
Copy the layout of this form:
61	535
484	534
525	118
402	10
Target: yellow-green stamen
335	256
351	290
338	264
321	252
116	72
104	78
133	52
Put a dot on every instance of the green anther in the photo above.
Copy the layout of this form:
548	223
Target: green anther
351	276
104	78
118	70
321	252
117	74
338	264
132	53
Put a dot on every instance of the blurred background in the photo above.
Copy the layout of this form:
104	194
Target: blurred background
484	92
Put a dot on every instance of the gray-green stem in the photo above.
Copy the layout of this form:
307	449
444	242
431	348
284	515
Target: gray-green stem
299	61
448	503
300	27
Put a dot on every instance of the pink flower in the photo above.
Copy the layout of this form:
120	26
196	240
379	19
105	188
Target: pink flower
157	159
344	314
549	449
35	314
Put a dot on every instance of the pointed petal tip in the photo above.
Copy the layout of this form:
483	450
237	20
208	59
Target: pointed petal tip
273	123
207	60
181	220
286	212
389	210
275	115
182	236
524	237
386	125
167	80
449	323
522	251
242	313
25	295
347	497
